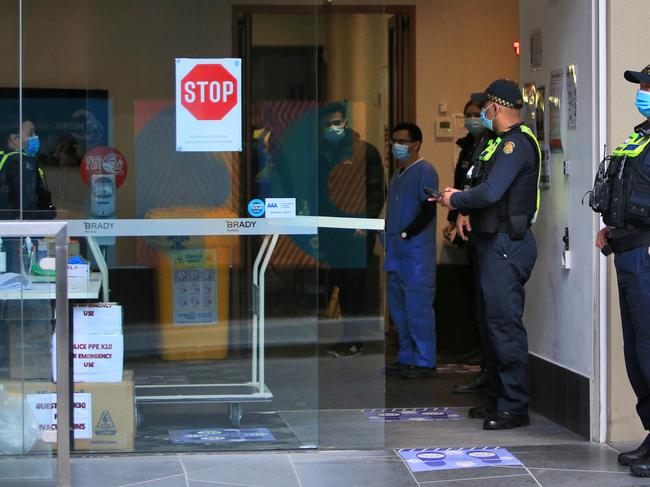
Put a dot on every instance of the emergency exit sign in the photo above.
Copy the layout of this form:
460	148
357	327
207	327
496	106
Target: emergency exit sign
208	105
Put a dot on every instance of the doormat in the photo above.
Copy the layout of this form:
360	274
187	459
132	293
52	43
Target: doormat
153	434
428	459
410	414
205	436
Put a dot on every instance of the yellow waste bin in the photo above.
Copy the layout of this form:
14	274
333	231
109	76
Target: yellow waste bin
192	288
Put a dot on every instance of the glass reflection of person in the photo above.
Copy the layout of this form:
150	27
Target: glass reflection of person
23	189
350	184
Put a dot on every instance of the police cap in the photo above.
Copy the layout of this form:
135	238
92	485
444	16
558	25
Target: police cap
478	98
642	76
505	92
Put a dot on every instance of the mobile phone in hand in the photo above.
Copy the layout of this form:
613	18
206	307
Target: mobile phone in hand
432	192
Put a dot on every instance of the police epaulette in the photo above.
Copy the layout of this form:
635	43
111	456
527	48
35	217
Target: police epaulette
643	128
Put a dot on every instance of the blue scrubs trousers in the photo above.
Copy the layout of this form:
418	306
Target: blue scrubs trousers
504	265
411	308
633	274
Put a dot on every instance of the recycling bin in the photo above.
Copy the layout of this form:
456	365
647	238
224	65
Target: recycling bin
192	288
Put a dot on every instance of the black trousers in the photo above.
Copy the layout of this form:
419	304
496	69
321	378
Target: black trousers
504	266
633	274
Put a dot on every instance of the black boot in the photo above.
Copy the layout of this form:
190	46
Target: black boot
641	453
477	384
640	468
483	410
505	420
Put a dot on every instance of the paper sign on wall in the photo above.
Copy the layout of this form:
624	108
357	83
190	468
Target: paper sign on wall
208	105
44	408
95	358
194	276
97	319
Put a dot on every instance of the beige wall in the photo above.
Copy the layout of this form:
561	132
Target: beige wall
454	59
624	53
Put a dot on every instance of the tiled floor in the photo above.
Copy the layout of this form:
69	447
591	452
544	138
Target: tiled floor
321	404
570	464
551	457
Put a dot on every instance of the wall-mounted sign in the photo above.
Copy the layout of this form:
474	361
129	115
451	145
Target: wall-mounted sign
208	105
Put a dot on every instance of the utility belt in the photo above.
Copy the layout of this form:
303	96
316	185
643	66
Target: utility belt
630	242
516	226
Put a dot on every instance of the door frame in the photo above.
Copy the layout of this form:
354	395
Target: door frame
407	10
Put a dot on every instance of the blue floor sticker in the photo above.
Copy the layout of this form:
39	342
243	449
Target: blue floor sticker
410	414
203	436
428	459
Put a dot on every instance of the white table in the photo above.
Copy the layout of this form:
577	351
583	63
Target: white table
43	288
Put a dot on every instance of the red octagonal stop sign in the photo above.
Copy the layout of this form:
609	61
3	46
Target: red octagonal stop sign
209	91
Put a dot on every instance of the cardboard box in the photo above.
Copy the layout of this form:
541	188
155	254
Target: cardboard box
113	426
113	412
29	350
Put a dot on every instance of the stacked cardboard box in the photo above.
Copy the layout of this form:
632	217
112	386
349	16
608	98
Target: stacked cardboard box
104	413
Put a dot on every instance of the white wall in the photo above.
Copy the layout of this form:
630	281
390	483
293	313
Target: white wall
626	33
560	303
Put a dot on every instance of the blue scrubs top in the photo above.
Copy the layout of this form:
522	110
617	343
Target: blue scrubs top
413	259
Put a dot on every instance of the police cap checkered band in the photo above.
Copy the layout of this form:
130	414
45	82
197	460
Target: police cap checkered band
505	92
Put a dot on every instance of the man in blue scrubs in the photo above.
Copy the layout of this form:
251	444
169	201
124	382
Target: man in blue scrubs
411	254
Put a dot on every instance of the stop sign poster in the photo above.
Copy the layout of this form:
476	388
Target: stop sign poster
208	105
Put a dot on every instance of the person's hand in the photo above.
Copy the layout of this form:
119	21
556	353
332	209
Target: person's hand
602	236
463	226
445	199
448	230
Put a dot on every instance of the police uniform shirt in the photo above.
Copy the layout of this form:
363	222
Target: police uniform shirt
514	156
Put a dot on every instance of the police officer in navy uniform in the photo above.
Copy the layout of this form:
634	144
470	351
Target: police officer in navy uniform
622	195
499	210
472	146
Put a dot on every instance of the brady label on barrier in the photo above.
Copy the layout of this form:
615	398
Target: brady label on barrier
95	358
44	407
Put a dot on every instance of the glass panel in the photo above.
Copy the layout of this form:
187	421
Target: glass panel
27	393
28	396
131	123
203	348
352	171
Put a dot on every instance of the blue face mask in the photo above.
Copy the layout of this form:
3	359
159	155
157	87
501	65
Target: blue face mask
474	125
334	133
400	152
643	102
487	123
33	144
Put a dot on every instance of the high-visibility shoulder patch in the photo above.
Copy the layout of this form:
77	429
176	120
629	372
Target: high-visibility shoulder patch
508	147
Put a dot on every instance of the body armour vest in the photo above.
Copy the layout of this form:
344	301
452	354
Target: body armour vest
621	190
522	197
9	209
